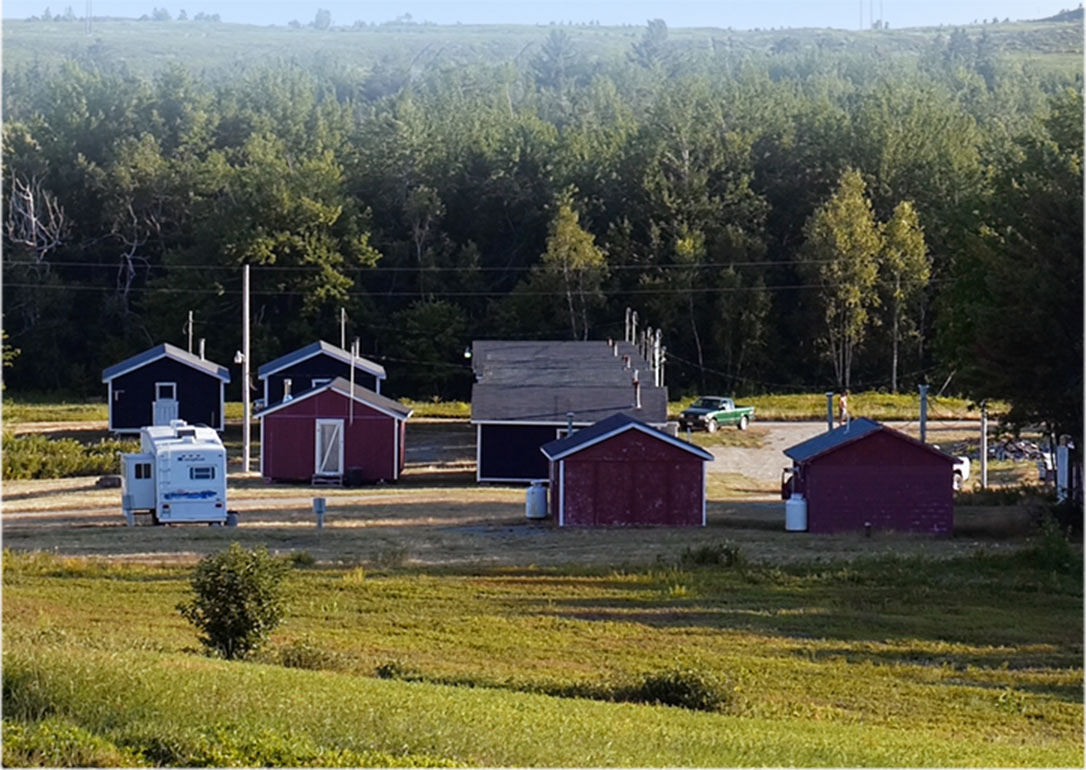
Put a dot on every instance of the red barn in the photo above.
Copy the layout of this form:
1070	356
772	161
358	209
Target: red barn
620	472
866	473
330	433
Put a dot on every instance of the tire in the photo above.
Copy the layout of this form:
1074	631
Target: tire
744	422
711	426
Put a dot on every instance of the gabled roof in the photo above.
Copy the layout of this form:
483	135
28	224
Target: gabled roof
342	386
608	428
852	431
317	348
166	350
541	381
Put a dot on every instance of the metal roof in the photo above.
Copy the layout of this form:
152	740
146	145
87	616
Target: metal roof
166	350
846	434
317	348
542	380
607	428
342	385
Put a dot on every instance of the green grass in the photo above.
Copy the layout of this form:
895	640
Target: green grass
872	404
974	661
808	406
17	411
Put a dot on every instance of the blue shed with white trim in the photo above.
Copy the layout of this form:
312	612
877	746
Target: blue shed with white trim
162	384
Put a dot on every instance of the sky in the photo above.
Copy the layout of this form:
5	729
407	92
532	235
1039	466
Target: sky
738	14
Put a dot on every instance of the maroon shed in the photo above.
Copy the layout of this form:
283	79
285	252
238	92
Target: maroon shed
620	472
327	433
866	473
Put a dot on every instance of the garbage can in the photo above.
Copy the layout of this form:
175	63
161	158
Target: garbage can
353	477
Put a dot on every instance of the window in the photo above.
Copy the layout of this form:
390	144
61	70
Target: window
143	470
202	473
166	391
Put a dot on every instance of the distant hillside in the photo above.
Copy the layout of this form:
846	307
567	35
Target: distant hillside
222	49
1075	16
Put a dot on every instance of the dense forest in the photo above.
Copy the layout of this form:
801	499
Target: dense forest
800	217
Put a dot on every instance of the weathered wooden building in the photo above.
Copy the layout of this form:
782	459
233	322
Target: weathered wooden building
333	433
864	474
315	364
165	383
620	472
527	392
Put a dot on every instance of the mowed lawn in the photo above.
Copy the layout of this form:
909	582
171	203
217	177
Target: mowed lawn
971	661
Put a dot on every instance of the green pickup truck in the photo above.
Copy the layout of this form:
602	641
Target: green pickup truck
710	412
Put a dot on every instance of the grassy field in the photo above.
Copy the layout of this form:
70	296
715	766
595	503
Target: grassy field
976	661
809	406
146	47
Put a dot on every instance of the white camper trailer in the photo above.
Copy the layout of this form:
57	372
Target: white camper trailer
179	475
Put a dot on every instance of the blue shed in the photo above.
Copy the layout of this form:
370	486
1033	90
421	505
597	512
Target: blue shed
162	384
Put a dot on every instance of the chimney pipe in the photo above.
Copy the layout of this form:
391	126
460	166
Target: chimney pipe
637	390
202	356
829	410
924	414
287	382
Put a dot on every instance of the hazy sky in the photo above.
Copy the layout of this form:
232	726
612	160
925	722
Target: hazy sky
740	14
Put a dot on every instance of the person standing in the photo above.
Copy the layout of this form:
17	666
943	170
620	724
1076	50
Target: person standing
844	407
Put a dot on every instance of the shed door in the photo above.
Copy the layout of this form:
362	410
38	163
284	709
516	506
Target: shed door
329	447
165	406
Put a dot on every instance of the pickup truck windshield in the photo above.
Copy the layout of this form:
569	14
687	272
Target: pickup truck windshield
708	403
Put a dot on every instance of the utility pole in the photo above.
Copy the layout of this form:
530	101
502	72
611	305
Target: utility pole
829	410
342	328
984	444
924	414
245	371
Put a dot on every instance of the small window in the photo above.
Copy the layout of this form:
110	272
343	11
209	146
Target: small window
318	381
202	473
166	391
143	470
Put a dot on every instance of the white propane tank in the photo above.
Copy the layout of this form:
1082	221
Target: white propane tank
535	502
795	513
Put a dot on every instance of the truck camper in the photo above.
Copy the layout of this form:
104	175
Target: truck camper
179	475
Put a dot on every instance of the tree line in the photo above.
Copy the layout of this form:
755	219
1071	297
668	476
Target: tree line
795	220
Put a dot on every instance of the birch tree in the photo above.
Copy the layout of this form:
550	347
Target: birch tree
907	270
841	256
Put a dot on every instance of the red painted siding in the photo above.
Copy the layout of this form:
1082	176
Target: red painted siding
289	437
631	479
883	479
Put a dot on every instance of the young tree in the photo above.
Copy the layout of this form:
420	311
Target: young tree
238	600
573	257
906	268
841	255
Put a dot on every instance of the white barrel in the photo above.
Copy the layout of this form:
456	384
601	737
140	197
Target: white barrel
795	513
535	501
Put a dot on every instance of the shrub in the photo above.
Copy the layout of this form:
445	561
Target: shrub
57	743
38	457
683	686
238	600
302	559
302	653
726	554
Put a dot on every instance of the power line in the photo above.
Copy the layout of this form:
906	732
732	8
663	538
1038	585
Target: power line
420	268
660	291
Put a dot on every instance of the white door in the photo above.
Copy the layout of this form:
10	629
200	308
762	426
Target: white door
329	448
165	405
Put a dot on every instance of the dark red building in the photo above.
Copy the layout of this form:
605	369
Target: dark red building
865	473
620	472
330	433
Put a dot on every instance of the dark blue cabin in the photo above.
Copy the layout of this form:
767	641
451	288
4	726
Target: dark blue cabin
527	392
162	384
315	365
